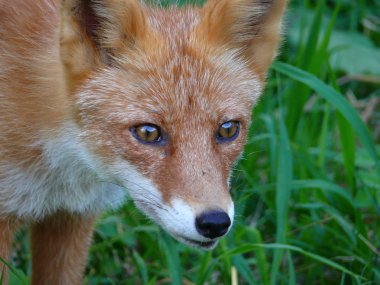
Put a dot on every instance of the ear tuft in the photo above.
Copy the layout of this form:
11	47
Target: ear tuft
106	26
250	18
88	18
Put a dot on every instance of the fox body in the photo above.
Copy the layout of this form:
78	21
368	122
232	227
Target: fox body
107	97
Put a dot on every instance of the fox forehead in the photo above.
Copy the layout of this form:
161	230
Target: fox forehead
172	73
179	20
174	87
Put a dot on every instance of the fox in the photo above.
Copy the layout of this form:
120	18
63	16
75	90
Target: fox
102	100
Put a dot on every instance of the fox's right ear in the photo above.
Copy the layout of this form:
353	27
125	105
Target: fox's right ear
94	31
251	26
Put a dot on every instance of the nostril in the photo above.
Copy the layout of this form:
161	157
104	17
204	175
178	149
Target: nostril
213	224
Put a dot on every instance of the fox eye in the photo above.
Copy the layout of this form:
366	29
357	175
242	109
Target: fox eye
147	133
228	131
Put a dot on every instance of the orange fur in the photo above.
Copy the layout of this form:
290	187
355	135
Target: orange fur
59	248
77	77
7	229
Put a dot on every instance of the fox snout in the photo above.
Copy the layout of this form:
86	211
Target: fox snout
202	229
210	225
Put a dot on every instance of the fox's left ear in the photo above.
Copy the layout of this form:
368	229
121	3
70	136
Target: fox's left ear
253	26
93	32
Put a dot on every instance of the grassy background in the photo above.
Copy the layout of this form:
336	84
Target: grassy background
307	190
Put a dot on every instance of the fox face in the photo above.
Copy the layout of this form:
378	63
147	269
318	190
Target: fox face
182	132
163	101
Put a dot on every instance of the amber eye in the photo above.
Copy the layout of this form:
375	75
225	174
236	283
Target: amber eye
228	131
147	133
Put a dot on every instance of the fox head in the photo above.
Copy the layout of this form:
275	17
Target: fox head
163	99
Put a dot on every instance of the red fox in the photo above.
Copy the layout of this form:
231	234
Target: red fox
100	98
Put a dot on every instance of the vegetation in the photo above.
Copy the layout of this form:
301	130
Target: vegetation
307	190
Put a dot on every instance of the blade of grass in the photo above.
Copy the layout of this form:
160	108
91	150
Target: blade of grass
343	279
309	59
2	275
323	138
292	273
20	278
325	186
347	141
250	247
243	268
172	259
203	271
269	123
283	187
207	273
336	100
255	237
225	264
141	265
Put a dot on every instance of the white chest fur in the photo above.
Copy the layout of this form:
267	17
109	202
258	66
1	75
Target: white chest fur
65	178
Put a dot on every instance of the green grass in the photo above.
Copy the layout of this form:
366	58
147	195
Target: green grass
307	190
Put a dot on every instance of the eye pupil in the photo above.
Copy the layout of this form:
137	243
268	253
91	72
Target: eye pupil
228	131
147	133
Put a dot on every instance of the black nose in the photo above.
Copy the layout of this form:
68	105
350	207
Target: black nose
212	224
